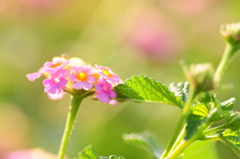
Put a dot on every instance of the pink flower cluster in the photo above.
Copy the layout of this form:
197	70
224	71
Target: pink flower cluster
70	75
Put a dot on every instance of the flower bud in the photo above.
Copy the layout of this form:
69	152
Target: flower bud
201	76
204	97
231	33
233	121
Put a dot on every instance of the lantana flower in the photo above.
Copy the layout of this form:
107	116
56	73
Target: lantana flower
70	75
82	78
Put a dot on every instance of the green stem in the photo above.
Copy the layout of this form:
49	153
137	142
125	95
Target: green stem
210	138
213	130
180	125
184	144
73	109
179	138
226	59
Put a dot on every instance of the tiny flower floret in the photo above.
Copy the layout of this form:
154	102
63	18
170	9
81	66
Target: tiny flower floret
48	67
103	91
108	74
81	77
70	75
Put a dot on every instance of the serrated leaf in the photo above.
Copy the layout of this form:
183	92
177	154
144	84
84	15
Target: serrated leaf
111	157
195	119
87	153
146	140
228	105
180	89
232	139
144	89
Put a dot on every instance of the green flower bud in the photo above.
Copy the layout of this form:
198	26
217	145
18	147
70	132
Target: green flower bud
231	33
215	115
201	76
204	97
233	121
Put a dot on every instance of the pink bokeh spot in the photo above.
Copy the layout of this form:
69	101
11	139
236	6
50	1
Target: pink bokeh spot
30	154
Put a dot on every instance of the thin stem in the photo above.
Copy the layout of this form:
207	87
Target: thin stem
182	146
180	138
210	138
180	125
215	129
226	59
73	109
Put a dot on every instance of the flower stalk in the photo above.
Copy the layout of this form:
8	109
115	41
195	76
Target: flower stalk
185	143
72	114
180	126
225	61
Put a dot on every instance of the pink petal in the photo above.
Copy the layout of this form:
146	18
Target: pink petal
55	96
103	97
32	76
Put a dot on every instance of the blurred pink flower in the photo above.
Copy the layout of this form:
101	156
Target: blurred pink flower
189	8
152	36
40	4
30	154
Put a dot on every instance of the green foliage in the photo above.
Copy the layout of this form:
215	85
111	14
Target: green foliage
232	139
205	97
233	121
196	119
146	140
228	105
89	153
200	150
111	157
144	89
180	89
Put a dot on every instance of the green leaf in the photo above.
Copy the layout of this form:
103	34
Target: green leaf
232	139
111	157
180	89
89	153
144	89
146	140
195	119
200	150
228	105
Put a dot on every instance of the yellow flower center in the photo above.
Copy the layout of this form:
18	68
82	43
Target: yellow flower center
56	65
105	72
82	76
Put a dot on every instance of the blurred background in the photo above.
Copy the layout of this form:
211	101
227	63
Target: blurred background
130	36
